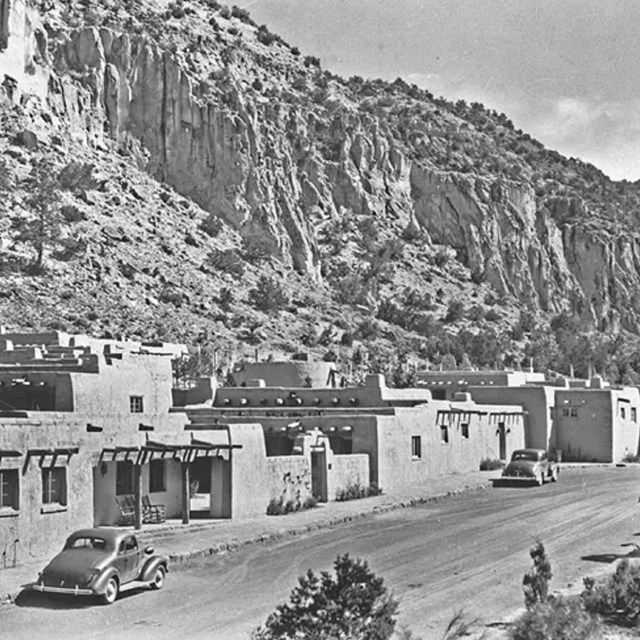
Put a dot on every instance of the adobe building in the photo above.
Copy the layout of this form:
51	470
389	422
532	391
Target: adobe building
582	420
87	438
370	433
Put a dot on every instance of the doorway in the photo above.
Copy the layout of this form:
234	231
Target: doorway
502	441
319	475
200	487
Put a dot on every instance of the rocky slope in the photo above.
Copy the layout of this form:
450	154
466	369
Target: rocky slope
202	151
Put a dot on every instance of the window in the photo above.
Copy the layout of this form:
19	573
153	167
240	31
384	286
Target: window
9	489
574	412
623	413
156	476
464	430
136	404
416	447
54	485
444	433
128	545
565	411
124	479
634	414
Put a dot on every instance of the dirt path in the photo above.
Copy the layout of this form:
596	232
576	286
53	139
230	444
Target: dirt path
467	552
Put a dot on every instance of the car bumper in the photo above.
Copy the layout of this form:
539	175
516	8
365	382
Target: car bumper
71	591
519	478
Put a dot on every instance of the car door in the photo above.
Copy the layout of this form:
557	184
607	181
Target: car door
130	556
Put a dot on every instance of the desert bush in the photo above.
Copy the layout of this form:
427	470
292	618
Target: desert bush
490	464
256	249
617	598
311	61
226	260
225	12
558	618
268	295
212	226
441	258
242	14
535	583
631	457
280	506
353	604
355	491
265	36
455	311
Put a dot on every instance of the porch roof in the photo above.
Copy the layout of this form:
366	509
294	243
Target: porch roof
184	452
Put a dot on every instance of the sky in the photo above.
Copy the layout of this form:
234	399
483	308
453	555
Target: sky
565	71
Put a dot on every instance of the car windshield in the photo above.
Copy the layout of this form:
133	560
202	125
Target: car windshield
86	542
525	455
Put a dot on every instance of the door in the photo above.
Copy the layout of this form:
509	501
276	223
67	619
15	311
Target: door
502	441
200	481
319	475
128	561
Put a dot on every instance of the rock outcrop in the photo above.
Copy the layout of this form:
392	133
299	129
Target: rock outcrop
276	150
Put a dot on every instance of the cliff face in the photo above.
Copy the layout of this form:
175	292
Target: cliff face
277	150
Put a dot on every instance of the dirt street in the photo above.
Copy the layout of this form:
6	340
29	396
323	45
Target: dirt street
466	552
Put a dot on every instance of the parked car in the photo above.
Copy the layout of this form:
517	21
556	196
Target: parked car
531	465
98	562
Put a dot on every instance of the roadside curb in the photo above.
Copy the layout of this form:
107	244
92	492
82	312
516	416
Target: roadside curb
237	544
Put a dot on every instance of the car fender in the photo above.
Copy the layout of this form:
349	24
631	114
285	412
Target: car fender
150	566
100	583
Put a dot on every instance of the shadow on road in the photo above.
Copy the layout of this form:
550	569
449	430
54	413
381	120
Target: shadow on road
608	558
36	600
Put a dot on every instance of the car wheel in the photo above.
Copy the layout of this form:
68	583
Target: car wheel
554	475
158	578
111	592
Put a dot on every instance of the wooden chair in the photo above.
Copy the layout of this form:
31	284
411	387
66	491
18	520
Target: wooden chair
127	512
152	513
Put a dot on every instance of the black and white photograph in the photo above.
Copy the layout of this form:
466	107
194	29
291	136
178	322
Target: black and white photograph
319	320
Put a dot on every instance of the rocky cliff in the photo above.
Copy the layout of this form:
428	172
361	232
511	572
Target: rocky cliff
315	173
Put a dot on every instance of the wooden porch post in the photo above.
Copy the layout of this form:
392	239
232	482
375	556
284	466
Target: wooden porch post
185	492
137	495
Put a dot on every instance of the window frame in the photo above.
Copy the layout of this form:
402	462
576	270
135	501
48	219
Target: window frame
120	479
634	414
416	447
158	463
464	430
54	486
136	404
13	492
574	412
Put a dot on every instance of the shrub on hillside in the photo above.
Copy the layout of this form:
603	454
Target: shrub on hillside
353	604
226	260
268	295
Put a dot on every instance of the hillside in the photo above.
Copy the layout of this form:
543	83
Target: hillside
172	170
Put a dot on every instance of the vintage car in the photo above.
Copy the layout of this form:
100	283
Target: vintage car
98	562
531	465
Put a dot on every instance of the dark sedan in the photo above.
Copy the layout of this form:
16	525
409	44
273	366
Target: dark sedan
531	465
98	562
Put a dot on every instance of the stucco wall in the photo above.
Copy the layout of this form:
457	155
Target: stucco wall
285	374
347	470
538	402
288	477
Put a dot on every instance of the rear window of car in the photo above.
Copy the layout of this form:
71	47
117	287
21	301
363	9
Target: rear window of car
525	455
86	543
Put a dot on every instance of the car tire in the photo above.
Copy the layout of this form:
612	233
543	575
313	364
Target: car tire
158	579
111	591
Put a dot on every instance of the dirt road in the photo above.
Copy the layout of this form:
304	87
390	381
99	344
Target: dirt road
466	552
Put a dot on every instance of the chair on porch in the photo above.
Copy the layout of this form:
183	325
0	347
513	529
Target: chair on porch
152	513
127	511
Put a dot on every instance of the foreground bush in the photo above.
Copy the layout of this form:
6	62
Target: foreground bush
353	605
617	599
557	618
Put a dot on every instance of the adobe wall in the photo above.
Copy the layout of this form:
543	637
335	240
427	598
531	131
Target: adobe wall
293	373
537	401
288	477
626	431
398	468
347	470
